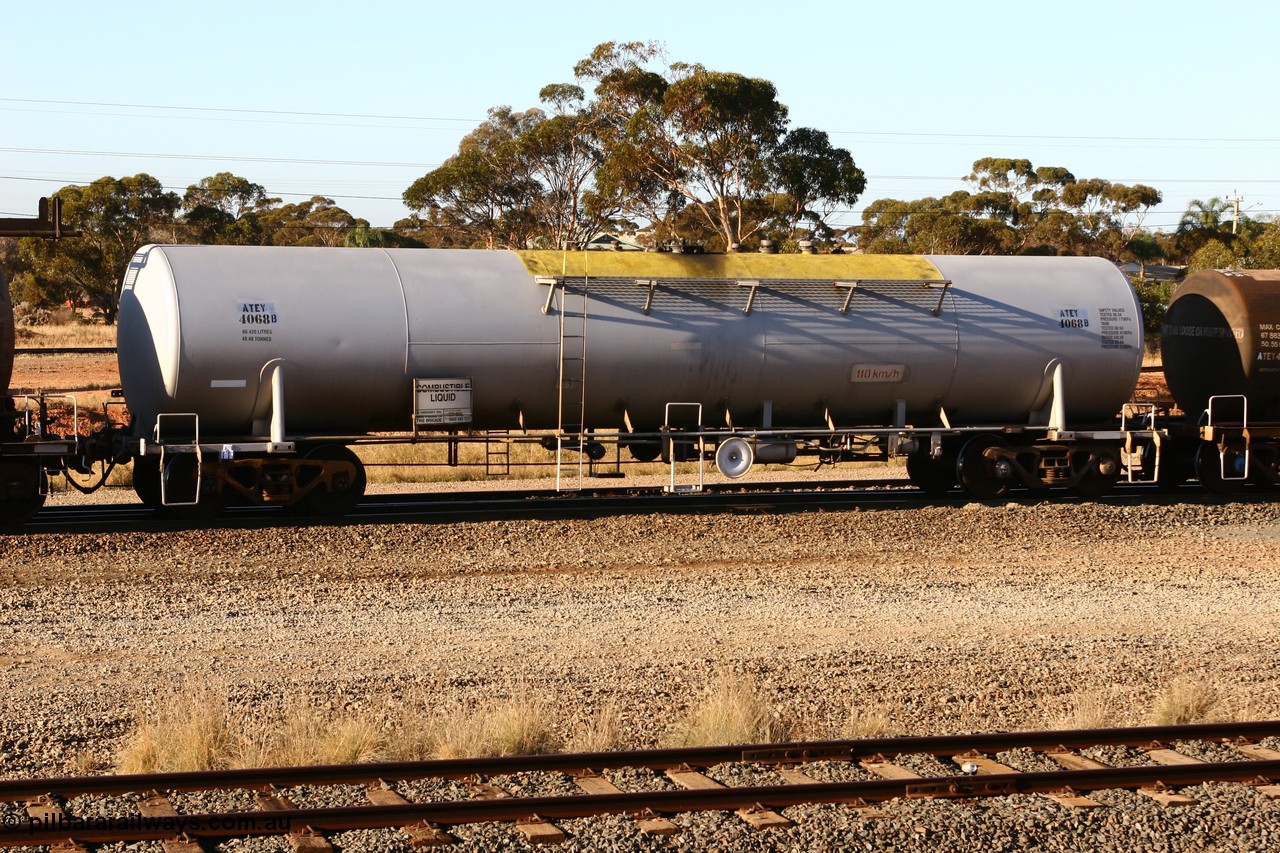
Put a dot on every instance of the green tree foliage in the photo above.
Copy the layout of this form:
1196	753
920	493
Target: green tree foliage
1204	221
521	179
216	210
1213	255
1145	249
1015	208
693	154
1154	297
1264	250
810	178
483	189
698	135
315	222
114	216
711	142
1211	236
945	226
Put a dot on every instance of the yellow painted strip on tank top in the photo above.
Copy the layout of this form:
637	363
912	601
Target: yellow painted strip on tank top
737	266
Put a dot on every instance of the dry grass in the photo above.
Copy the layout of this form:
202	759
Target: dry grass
604	733
518	725
427	463
198	729
1093	709
186	729
87	762
733	710
302	735
1187	699
67	335
861	723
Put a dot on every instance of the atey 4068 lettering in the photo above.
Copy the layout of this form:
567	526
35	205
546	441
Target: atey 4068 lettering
1070	318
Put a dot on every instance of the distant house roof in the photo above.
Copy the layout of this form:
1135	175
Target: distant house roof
612	242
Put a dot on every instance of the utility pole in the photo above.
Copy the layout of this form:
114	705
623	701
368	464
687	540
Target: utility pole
1235	215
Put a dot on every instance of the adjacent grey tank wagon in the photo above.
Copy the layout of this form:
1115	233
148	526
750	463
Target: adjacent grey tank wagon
250	371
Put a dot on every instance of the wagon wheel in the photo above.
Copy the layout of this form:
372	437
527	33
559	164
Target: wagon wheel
981	477
645	451
22	484
932	476
181	474
1177	465
146	480
346	491
1209	469
1094	483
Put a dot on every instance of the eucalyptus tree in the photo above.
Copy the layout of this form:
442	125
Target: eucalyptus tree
810	179
1016	208
683	152
712	142
216	209
484	188
948	225
114	217
522	178
319	221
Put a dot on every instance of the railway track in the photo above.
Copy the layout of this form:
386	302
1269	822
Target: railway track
460	506
863	774
38	351
480	505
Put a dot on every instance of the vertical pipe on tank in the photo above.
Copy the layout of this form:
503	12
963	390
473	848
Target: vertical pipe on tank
1058	411
277	404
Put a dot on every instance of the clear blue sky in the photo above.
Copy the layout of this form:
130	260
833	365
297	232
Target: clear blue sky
355	101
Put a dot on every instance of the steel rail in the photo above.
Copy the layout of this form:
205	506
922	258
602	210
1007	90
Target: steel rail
64	350
475	506
453	813
419	509
657	759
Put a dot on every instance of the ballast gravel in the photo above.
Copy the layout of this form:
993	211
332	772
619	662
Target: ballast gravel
939	620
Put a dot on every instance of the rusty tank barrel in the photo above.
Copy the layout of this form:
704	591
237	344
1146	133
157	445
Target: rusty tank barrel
1221	337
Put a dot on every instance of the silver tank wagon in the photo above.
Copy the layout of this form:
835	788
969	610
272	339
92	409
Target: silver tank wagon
269	349
844	337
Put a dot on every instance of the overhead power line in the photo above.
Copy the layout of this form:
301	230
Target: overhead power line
1053	137
866	133
228	158
237	110
404	165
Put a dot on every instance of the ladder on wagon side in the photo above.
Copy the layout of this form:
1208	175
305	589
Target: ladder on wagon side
570	430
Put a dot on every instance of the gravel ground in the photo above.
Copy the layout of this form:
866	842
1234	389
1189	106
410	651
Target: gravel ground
940	620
